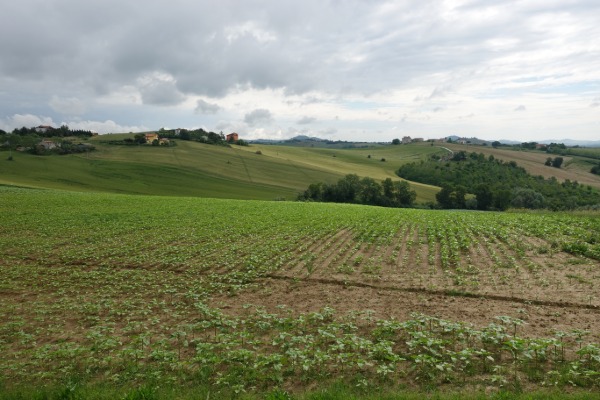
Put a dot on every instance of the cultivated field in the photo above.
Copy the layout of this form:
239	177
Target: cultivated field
251	295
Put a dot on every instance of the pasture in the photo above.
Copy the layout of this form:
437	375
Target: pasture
201	170
255	296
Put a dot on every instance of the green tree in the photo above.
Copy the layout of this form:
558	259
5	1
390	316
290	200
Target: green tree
403	195
388	188
139	138
369	192
502	199
527	198
444	197
458	197
485	196
396	141
347	188
557	162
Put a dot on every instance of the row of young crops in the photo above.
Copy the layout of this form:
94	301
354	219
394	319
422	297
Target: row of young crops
119	288
535	257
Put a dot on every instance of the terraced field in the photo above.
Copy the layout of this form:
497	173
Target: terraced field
252	295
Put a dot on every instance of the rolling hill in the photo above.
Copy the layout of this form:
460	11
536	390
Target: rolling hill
262	171
575	168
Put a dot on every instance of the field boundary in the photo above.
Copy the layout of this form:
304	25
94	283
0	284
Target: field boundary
453	293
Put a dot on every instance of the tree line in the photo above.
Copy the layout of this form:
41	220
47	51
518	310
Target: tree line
63	131
352	189
30	140
472	180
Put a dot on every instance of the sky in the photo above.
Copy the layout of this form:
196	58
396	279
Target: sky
356	70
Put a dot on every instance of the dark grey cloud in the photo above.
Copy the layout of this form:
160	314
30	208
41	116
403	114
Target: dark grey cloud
306	120
259	116
159	91
212	49
204	107
58	56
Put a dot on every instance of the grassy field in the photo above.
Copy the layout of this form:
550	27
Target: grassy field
276	298
194	169
260	172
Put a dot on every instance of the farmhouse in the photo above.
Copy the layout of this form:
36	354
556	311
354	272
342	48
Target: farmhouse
232	137
43	128
406	140
151	137
48	144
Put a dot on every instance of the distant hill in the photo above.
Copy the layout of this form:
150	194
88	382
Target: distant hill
572	142
312	141
188	168
265	170
566	142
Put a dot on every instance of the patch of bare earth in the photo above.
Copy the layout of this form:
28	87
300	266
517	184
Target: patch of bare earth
309	295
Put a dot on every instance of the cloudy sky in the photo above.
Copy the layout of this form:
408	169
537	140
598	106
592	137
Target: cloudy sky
348	70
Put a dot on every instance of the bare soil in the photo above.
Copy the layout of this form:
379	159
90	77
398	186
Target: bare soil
309	295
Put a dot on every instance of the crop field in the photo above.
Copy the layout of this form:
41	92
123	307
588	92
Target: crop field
248	296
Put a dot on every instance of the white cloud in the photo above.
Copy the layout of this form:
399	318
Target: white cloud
203	107
259	116
107	126
67	106
24	120
30	121
520	108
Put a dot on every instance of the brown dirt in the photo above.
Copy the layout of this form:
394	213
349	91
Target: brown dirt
312	295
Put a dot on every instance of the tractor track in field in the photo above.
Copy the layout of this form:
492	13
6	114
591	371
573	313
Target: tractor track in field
453	293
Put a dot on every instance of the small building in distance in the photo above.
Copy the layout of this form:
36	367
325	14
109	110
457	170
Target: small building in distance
48	144
43	128
151	137
232	137
406	140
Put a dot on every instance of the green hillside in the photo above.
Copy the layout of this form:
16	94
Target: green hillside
576	167
263	172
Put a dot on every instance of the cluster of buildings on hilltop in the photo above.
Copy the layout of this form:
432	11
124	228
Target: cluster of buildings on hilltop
151	137
407	140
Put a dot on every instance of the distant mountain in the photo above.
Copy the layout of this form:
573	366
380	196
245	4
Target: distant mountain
295	139
304	138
